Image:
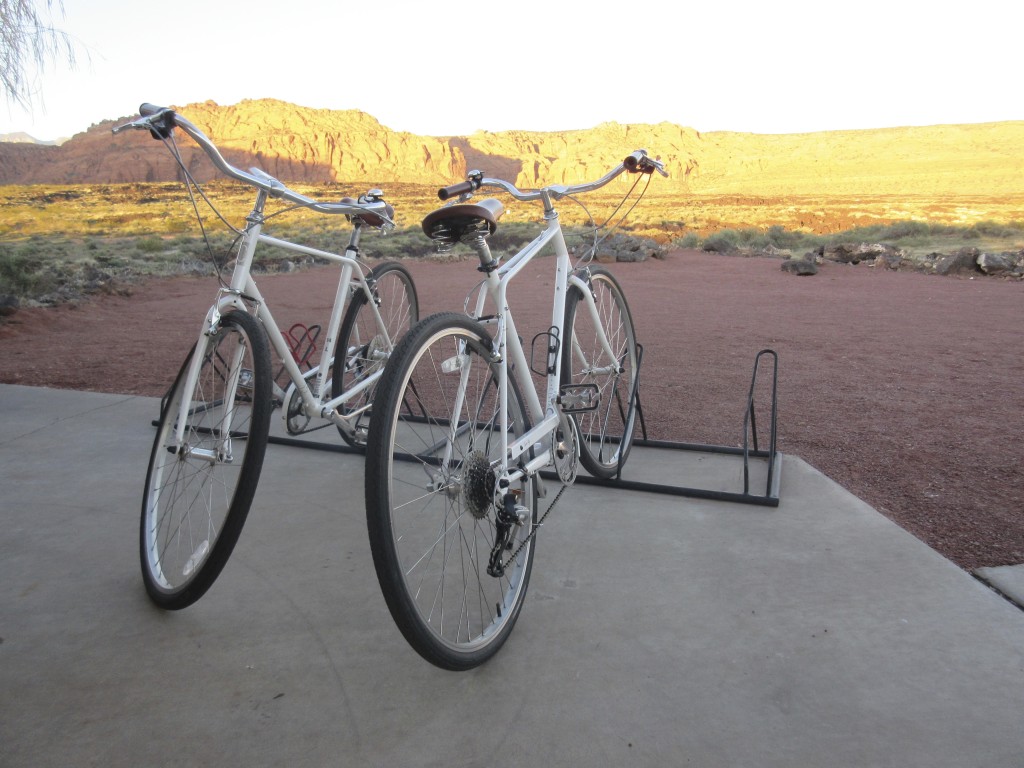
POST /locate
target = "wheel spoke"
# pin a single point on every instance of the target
(193, 508)
(431, 510)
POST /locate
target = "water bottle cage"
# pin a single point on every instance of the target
(551, 350)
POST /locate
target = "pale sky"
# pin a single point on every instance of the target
(452, 68)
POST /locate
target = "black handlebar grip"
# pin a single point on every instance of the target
(455, 190)
(635, 161)
(161, 127)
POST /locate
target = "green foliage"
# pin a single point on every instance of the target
(111, 233)
(689, 240)
(409, 242)
(994, 229)
(150, 244)
(909, 235)
(722, 241)
(24, 270)
(29, 43)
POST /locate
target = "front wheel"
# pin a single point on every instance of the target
(364, 344)
(606, 432)
(198, 492)
(452, 563)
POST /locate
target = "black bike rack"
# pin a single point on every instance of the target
(770, 497)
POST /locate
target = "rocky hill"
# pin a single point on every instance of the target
(298, 144)
(23, 138)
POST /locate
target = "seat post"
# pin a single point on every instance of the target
(477, 240)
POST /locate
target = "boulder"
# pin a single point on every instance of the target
(888, 260)
(627, 249)
(802, 267)
(9, 305)
(776, 253)
(855, 253)
(996, 263)
(963, 261)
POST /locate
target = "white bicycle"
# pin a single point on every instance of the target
(214, 422)
(460, 434)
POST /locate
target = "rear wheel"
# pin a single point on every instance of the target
(198, 493)
(364, 346)
(452, 563)
(606, 432)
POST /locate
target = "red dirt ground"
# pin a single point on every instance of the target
(903, 387)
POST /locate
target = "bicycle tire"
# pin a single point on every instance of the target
(194, 504)
(365, 350)
(605, 433)
(432, 524)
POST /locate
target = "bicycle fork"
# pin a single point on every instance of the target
(229, 299)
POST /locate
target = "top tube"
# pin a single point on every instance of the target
(160, 120)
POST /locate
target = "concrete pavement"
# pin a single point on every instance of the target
(657, 630)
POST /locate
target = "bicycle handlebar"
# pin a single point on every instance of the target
(635, 162)
(160, 121)
(639, 162)
(462, 188)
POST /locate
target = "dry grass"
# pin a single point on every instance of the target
(104, 233)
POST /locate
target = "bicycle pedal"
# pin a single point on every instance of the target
(578, 398)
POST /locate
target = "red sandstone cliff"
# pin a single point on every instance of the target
(298, 144)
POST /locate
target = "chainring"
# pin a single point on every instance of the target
(565, 452)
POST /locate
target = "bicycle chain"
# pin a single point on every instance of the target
(536, 528)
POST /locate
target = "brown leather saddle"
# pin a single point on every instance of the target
(449, 224)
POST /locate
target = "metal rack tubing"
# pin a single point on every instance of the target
(770, 498)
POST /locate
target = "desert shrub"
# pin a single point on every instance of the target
(689, 240)
(723, 241)
(995, 229)
(109, 260)
(24, 272)
(409, 242)
(150, 244)
(793, 240)
(902, 230)
(906, 232)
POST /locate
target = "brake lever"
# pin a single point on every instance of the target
(133, 124)
(158, 125)
(656, 165)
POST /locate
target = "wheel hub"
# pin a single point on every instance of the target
(376, 351)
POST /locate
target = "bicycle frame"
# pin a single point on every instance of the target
(244, 295)
(547, 416)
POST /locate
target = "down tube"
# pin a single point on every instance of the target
(558, 315)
